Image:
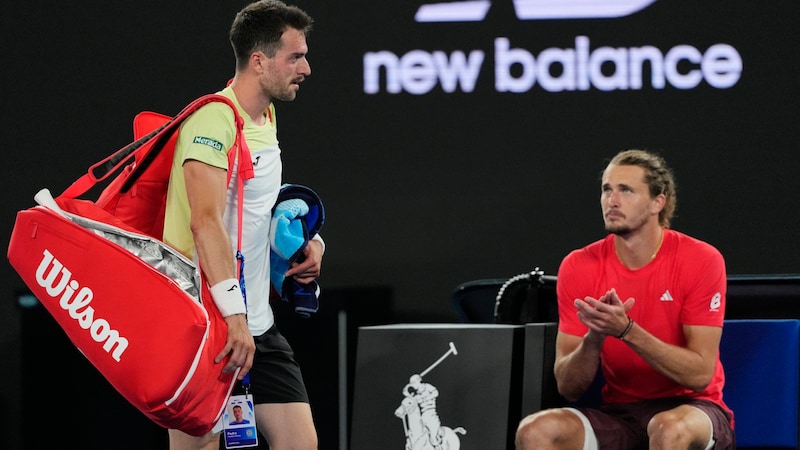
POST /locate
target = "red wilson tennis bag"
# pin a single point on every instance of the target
(136, 308)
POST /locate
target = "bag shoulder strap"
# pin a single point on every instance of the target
(103, 169)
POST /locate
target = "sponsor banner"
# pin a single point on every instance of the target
(515, 65)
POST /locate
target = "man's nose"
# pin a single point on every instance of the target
(612, 198)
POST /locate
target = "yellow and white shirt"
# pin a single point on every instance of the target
(206, 136)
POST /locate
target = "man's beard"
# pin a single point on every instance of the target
(619, 230)
(625, 229)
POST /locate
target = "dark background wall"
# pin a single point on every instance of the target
(424, 190)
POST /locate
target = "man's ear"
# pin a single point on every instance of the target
(658, 203)
(257, 61)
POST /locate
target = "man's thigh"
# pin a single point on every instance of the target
(615, 429)
(178, 440)
(625, 426)
(281, 423)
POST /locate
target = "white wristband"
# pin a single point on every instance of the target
(318, 238)
(228, 297)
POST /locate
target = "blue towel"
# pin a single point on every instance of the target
(297, 217)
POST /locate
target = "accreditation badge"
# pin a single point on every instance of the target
(239, 422)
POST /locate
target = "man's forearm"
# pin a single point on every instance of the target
(684, 366)
(576, 370)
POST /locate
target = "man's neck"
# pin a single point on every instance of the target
(635, 250)
(251, 98)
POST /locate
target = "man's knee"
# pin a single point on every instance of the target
(295, 441)
(546, 429)
(677, 429)
(287, 425)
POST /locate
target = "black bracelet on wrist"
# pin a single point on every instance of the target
(627, 330)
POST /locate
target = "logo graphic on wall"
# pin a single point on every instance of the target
(475, 10)
(580, 65)
(421, 424)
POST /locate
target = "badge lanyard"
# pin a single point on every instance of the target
(239, 425)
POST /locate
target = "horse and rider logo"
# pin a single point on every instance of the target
(421, 424)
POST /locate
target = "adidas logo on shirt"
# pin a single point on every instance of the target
(666, 296)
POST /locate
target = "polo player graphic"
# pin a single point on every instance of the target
(417, 410)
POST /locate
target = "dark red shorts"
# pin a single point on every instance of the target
(624, 426)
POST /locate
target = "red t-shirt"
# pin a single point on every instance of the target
(684, 285)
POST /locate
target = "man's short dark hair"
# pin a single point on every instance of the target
(260, 25)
